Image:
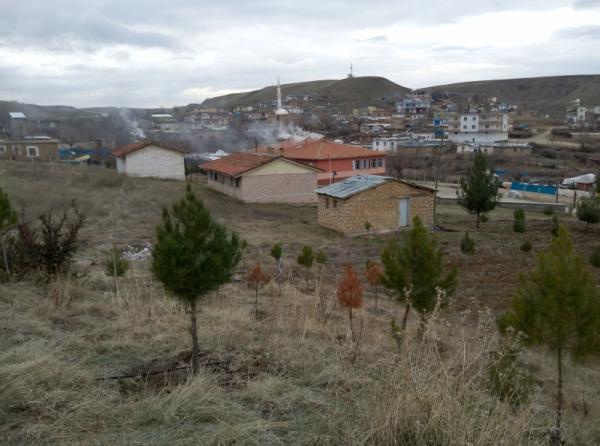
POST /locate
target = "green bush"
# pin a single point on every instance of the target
(467, 244)
(526, 246)
(548, 210)
(519, 214)
(595, 257)
(484, 218)
(115, 265)
(588, 210)
(519, 226)
(555, 225)
(505, 378)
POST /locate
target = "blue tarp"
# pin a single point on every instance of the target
(536, 188)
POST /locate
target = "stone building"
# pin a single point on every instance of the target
(262, 178)
(372, 203)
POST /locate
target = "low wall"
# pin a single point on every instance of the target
(526, 206)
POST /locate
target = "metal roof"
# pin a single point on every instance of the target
(353, 185)
(17, 115)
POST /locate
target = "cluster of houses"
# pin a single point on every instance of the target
(346, 182)
(581, 115)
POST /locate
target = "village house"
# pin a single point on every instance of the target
(262, 178)
(478, 128)
(29, 149)
(151, 159)
(335, 160)
(372, 203)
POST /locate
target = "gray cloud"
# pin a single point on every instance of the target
(157, 53)
(582, 32)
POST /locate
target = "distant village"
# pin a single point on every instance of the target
(296, 148)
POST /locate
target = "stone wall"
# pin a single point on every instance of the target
(380, 206)
(276, 188)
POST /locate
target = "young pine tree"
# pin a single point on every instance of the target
(256, 280)
(277, 254)
(467, 244)
(557, 305)
(374, 273)
(478, 191)
(519, 221)
(349, 294)
(193, 255)
(306, 259)
(588, 210)
(413, 272)
(115, 265)
(8, 219)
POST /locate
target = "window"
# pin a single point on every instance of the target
(365, 164)
(380, 162)
(474, 118)
(473, 126)
(356, 164)
(33, 152)
(465, 118)
(15, 149)
(238, 182)
(2, 149)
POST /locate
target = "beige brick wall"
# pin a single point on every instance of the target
(380, 206)
(276, 188)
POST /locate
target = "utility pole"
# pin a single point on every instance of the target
(437, 173)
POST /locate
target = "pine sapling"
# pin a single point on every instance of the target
(306, 259)
(256, 280)
(558, 306)
(349, 294)
(277, 254)
(115, 265)
(374, 273)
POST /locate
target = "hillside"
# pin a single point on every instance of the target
(357, 91)
(544, 94)
(87, 364)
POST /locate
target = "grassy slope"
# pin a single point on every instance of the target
(544, 94)
(358, 90)
(285, 379)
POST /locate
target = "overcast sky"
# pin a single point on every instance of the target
(147, 53)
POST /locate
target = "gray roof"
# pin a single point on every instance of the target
(353, 185)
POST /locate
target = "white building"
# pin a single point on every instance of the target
(150, 159)
(414, 107)
(478, 127)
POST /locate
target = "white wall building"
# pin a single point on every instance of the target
(478, 127)
(150, 159)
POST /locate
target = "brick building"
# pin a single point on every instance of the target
(262, 178)
(381, 204)
(335, 160)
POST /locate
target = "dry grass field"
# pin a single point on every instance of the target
(286, 378)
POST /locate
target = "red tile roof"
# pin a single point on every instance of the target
(125, 150)
(238, 163)
(319, 149)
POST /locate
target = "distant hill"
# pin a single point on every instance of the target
(544, 94)
(356, 91)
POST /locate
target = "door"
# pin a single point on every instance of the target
(403, 212)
